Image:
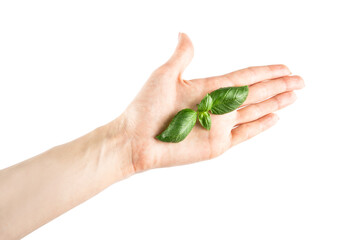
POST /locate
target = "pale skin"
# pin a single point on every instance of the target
(41, 188)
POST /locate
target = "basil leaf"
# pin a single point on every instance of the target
(228, 99)
(205, 104)
(205, 120)
(179, 127)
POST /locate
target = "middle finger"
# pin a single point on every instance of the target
(266, 89)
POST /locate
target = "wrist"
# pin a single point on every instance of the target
(115, 150)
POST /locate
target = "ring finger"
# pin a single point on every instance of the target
(258, 110)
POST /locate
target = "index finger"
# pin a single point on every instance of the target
(253, 75)
(248, 76)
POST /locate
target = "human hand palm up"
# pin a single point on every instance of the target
(165, 93)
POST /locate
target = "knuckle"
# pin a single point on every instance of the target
(256, 111)
(262, 91)
(286, 83)
(277, 102)
(250, 73)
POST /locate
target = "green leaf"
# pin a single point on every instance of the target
(205, 120)
(179, 127)
(228, 99)
(205, 104)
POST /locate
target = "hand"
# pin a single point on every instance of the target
(68, 174)
(166, 93)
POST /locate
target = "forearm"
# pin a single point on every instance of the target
(41, 188)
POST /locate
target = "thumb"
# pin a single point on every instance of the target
(183, 54)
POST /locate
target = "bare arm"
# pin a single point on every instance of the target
(39, 189)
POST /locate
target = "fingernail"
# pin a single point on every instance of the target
(179, 36)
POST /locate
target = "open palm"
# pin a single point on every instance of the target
(166, 93)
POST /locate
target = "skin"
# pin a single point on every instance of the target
(39, 189)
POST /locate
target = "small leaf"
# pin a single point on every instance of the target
(205, 104)
(205, 120)
(228, 99)
(179, 127)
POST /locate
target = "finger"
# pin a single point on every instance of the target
(263, 90)
(259, 110)
(248, 130)
(183, 54)
(247, 76)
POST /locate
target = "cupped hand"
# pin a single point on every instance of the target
(166, 92)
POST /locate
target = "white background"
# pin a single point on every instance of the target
(67, 67)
